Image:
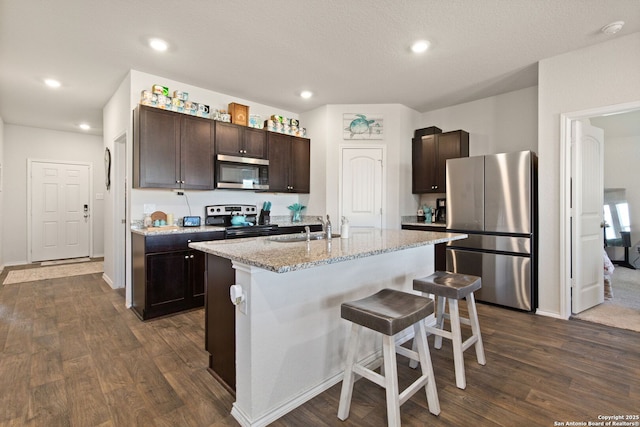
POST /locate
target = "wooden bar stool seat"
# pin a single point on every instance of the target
(389, 312)
(451, 287)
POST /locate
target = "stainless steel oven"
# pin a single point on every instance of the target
(242, 173)
(222, 215)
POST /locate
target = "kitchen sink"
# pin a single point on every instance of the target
(300, 237)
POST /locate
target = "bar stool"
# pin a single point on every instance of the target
(389, 312)
(447, 286)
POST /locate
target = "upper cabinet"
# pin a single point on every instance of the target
(172, 150)
(289, 163)
(429, 159)
(242, 141)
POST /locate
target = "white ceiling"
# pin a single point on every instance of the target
(353, 51)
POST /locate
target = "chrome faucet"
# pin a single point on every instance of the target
(307, 230)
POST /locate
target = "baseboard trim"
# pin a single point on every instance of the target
(266, 419)
(550, 314)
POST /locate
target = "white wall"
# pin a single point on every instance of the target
(597, 76)
(116, 122)
(328, 140)
(22, 143)
(2, 173)
(498, 124)
(316, 122)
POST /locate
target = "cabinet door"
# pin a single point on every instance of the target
(167, 283)
(197, 153)
(279, 160)
(228, 139)
(255, 143)
(451, 145)
(423, 155)
(156, 148)
(220, 321)
(197, 269)
(299, 174)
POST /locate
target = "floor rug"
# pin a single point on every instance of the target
(53, 272)
(623, 310)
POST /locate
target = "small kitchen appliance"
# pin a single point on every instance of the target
(238, 220)
(441, 211)
(241, 173)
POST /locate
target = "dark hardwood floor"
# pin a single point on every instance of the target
(73, 355)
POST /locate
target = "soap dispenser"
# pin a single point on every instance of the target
(344, 229)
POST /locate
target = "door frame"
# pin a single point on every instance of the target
(30, 162)
(565, 193)
(120, 209)
(383, 216)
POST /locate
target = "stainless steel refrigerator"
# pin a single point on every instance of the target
(493, 199)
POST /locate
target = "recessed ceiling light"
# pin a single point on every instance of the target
(420, 46)
(613, 27)
(158, 44)
(84, 126)
(52, 83)
(306, 94)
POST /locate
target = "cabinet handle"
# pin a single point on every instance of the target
(191, 256)
(186, 257)
(189, 241)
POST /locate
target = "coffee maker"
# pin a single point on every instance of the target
(441, 211)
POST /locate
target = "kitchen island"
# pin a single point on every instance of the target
(289, 336)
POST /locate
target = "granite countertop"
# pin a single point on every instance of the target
(413, 220)
(286, 255)
(154, 231)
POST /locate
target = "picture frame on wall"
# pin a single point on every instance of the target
(362, 126)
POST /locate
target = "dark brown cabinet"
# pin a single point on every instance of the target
(172, 150)
(220, 322)
(168, 276)
(429, 154)
(235, 140)
(289, 163)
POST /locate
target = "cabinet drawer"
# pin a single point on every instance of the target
(178, 242)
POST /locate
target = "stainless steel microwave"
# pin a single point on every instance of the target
(241, 173)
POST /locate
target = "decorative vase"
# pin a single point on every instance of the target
(296, 216)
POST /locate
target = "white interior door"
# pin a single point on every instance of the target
(59, 210)
(362, 186)
(587, 143)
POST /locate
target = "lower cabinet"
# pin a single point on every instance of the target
(168, 277)
(220, 321)
(220, 315)
(440, 250)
